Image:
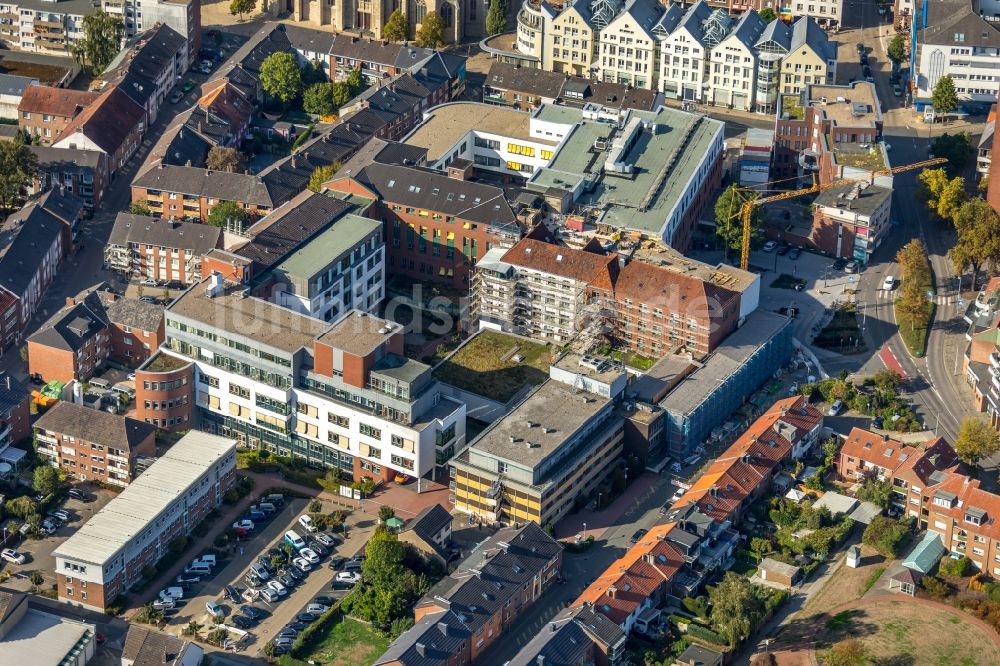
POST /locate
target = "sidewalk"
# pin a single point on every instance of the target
(598, 522)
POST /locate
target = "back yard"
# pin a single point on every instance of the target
(488, 365)
(348, 643)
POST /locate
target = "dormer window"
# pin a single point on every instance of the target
(974, 516)
(944, 499)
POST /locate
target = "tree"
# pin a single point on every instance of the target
(383, 561)
(319, 99)
(848, 652)
(321, 175)
(385, 512)
(897, 49)
(728, 222)
(18, 166)
(22, 507)
(735, 607)
(976, 440)
(944, 99)
(102, 39)
(313, 73)
(760, 548)
(978, 242)
(885, 535)
(46, 479)
(767, 14)
(944, 196)
(875, 491)
(178, 545)
(912, 304)
(139, 207)
(431, 33)
(191, 629)
(496, 17)
(241, 7)
(956, 148)
(228, 213)
(281, 77)
(396, 28)
(331, 481)
(226, 159)
(887, 382)
(315, 506)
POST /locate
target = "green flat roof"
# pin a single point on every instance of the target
(554, 113)
(317, 254)
(646, 199)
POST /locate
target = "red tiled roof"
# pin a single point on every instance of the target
(881, 450)
(108, 120)
(597, 270)
(63, 102)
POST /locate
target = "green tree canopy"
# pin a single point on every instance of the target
(139, 207)
(976, 440)
(225, 213)
(22, 507)
(729, 224)
(313, 73)
(943, 195)
(281, 77)
(875, 491)
(46, 479)
(102, 39)
(383, 559)
(897, 48)
(355, 82)
(318, 99)
(241, 7)
(226, 159)
(396, 28)
(736, 608)
(322, 174)
(496, 17)
(767, 14)
(978, 242)
(18, 166)
(944, 98)
(431, 33)
(956, 148)
(885, 535)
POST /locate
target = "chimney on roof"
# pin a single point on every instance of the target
(885, 437)
(293, 161)
(540, 659)
(612, 590)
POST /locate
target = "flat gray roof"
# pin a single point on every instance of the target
(318, 253)
(42, 639)
(128, 514)
(545, 419)
(448, 123)
(359, 333)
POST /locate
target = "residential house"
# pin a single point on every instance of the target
(149, 67)
(528, 89)
(811, 59)
(145, 646)
(112, 124)
(572, 38)
(575, 637)
(685, 43)
(101, 561)
(465, 613)
(430, 533)
(771, 49)
(435, 226)
(45, 111)
(159, 250)
(83, 173)
(33, 243)
(12, 89)
(827, 13)
(311, 46)
(733, 65)
(628, 48)
(92, 444)
(851, 221)
(15, 411)
(183, 16)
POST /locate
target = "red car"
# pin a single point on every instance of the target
(213, 32)
(100, 639)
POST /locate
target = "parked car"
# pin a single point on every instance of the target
(839, 264)
(12, 556)
(253, 580)
(233, 594)
(260, 571)
(877, 422)
(317, 609)
(351, 577)
(266, 562)
(769, 246)
(302, 563)
(326, 540)
(336, 563)
(309, 555)
(307, 523)
(243, 524)
(241, 622)
(164, 604)
(61, 514)
(297, 574)
(269, 595)
(783, 250)
(176, 97)
(252, 612)
(277, 587)
(318, 548)
(308, 618)
(174, 593)
(324, 601)
(214, 609)
(287, 581)
(794, 253)
(835, 408)
(636, 536)
(851, 267)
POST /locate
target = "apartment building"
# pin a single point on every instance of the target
(159, 250)
(772, 47)
(80, 172)
(517, 470)
(684, 42)
(101, 561)
(832, 131)
(628, 47)
(94, 445)
(954, 38)
(74, 344)
(460, 617)
(182, 16)
(851, 221)
(149, 67)
(33, 243)
(697, 535)
(733, 65)
(339, 394)
(541, 290)
(339, 269)
(112, 124)
(15, 411)
(529, 89)
(652, 172)
(572, 41)
(45, 111)
(436, 226)
(44, 27)
(190, 193)
(827, 13)
(505, 141)
(595, 639)
(811, 59)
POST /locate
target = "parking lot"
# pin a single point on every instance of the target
(39, 551)
(279, 613)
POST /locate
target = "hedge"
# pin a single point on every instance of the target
(305, 638)
(705, 634)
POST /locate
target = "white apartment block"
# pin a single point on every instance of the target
(685, 51)
(184, 16)
(628, 47)
(960, 43)
(826, 13)
(733, 65)
(44, 27)
(107, 554)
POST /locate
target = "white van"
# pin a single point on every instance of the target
(207, 560)
(198, 569)
(173, 593)
(307, 523)
(293, 539)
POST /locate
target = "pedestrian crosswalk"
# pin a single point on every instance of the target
(939, 299)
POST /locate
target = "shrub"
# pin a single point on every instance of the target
(116, 607)
(706, 634)
(305, 639)
(231, 497)
(315, 506)
(886, 535)
(935, 587)
(951, 566)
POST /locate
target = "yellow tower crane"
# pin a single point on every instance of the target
(751, 202)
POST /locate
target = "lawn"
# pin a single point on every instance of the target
(349, 643)
(486, 365)
(915, 335)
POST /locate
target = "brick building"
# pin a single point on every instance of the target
(101, 561)
(112, 124)
(45, 111)
(80, 172)
(15, 412)
(160, 250)
(94, 445)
